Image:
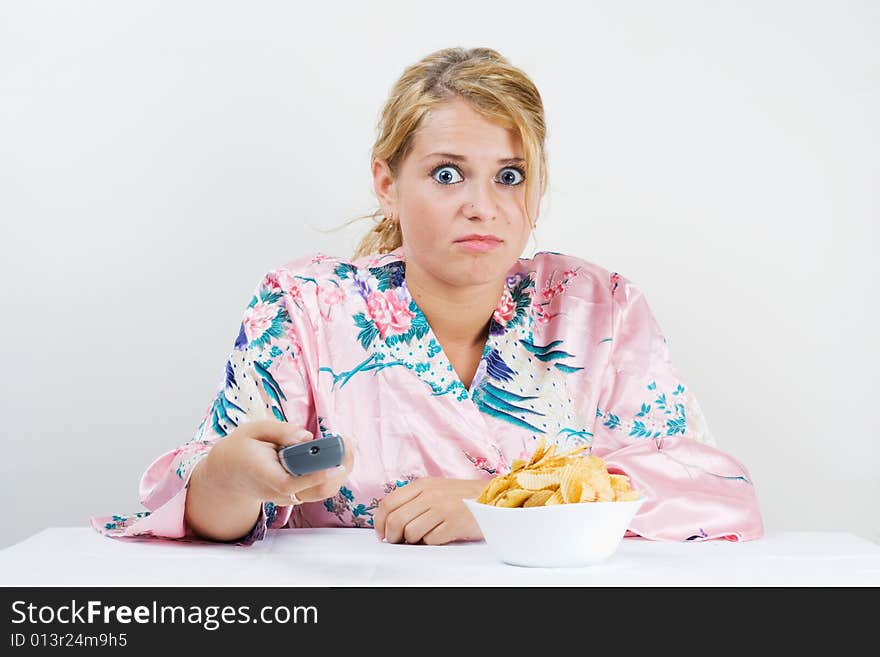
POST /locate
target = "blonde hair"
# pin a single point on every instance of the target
(495, 89)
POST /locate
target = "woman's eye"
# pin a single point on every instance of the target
(443, 175)
(510, 178)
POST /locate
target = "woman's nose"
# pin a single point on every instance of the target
(482, 204)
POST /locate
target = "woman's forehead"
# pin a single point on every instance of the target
(463, 145)
(455, 127)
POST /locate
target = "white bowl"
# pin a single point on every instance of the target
(559, 535)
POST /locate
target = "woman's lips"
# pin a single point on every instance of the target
(479, 246)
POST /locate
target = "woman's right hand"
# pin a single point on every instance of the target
(247, 461)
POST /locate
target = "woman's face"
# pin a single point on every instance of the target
(439, 200)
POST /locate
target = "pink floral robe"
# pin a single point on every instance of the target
(574, 355)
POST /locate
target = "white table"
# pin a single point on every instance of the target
(355, 557)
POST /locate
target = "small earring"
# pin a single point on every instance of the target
(387, 223)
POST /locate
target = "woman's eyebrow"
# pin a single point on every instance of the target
(462, 158)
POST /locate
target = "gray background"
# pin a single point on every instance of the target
(156, 158)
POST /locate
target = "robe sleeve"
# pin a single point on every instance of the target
(275, 345)
(650, 427)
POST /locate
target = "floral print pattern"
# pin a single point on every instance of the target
(573, 355)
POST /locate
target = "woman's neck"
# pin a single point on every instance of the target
(459, 317)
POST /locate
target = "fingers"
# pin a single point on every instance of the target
(422, 527)
(391, 502)
(396, 523)
(278, 433)
(305, 487)
(276, 482)
(439, 535)
(312, 487)
(328, 488)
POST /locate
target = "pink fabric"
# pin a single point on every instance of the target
(574, 355)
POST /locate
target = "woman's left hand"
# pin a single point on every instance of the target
(429, 510)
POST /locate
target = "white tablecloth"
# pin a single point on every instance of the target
(355, 557)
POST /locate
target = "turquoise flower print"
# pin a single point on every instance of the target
(120, 522)
(513, 307)
(391, 314)
(504, 404)
(352, 513)
(394, 331)
(550, 353)
(612, 421)
(656, 417)
(390, 311)
(343, 504)
(390, 486)
(505, 310)
(220, 414)
(265, 318)
(265, 326)
(576, 437)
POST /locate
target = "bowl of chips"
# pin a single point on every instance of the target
(555, 510)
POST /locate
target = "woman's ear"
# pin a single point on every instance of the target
(383, 186)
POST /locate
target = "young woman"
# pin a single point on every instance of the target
(439, 355)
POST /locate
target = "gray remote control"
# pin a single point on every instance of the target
(312, 455)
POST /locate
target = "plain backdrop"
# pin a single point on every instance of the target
(157, 158)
